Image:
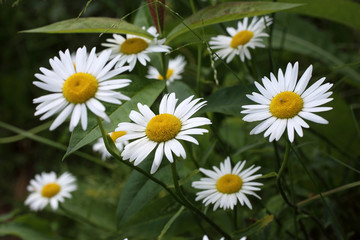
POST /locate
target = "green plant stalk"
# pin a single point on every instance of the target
(190, 206)
(54, 144)
(170, 222)
(19, 137)
(198, 71)
(327, 193)
(283, 195)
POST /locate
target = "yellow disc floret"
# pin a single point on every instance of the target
(50, 190)
(168, 74)
(286, 105)
(80, 87)
(116, 135)
(133, 46)
(229, 183)
(163, 127)
(241, 38)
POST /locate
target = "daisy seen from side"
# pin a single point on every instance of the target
(162, 131)
(175, 69)
(47, 188)
(226, 186)
(135, 48)
(284, 103)
(246, 35)
(78, 85)
(100, 147)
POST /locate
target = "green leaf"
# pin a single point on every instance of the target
(341, 11)
(28, 227)
(300, 45)
(227, 100)
(181, 90)
(92, 25)
(225, 12)
(146, 92)
(139, 191)
(255, 227)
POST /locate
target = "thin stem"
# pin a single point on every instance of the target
(198, 70)
(189, 205)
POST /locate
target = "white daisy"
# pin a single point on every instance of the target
(46, 189)
(224, 187)
(77, 86)
(244, 37)
(133, 47)
(162, 131)
(284, 103)
(100, 147)
(175, 69)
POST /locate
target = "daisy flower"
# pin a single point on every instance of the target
(175, 69)
(46, 189)
(134, 48)
(78, 86)
(284, 103)
(100, 147)
(226, 186)
(162, 131)
(241, 39)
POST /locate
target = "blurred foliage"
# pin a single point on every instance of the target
(320, 33)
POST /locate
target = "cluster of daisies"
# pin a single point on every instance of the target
(84, 80)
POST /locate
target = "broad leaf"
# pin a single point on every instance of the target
(92, 25)
(254, 228)
(225, 12)
(341, 11)
(227, 100)
(139, 191)
(146, 93)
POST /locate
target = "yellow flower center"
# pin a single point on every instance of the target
(163, 127)
(286, 105)
(241, 38)
(133, 46)
(116, 135)
(229, 183)
(168, 74)
(80, 87)
(50, 190)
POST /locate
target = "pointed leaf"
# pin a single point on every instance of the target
(92, 25)
(345, 12)
(225, 12)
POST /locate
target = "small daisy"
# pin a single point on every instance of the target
(224, 187)
(100, 147)
(162, 131)
(284, 103)
(78, 85)
(175, 69)
(46, 189)
(244, 37)
(133, 47)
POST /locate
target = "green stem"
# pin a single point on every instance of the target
(285, 198)
(54, 144)
(198, 70)
(189, 205)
